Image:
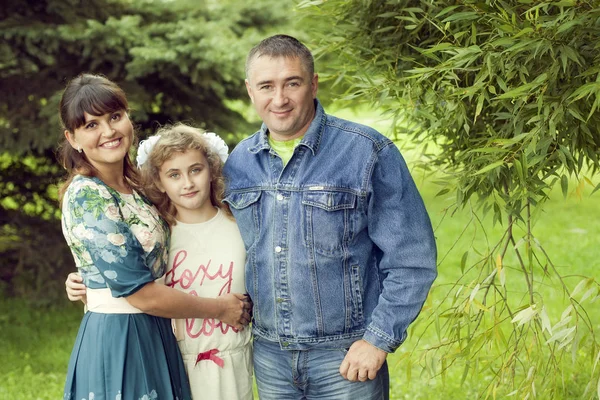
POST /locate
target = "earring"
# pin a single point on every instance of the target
(79, 150)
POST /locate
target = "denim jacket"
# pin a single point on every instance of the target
(339, 244)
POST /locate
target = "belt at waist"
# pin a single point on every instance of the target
(101, 301)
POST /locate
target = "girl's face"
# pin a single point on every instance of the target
(186, 179)
(104, 139)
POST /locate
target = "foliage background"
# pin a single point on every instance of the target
(502, 98)
(494, 103)
(176, 60)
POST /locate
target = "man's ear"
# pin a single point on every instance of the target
(249, 89)
(315, 85)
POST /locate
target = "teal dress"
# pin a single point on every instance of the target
(119, 244)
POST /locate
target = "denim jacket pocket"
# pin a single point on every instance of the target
(327, 220)
(245, 209)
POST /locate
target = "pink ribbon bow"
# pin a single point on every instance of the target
(210, 355)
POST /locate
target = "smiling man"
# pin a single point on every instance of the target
(340, 249)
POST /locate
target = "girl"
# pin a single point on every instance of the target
(183, 177)
(124, 348)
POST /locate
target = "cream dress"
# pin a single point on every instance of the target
(207, 260)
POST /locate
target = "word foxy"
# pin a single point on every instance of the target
(185, 278)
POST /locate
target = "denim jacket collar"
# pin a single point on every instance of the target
(311, 139)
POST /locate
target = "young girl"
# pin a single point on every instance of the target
(124, 348)
(183, 177)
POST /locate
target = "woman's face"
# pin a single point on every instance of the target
(105, 139)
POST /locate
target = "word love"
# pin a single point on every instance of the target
(192, 280)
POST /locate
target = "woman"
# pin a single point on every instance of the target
(124, 348)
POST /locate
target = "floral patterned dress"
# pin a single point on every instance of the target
(119, 244)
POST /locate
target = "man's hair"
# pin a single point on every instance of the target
(282, 46)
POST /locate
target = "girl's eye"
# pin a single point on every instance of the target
(196, 170)
(116, 116)
(174, 176)
(91, 125)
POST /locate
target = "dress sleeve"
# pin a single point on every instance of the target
(98, 223)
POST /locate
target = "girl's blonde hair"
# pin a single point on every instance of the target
(177, 139)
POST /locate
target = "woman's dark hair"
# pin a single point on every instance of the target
(95, 95)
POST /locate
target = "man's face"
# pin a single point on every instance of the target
(282, 92)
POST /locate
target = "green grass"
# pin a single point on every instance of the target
(569, 232)
(35, 344)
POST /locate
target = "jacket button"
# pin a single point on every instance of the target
(278, 249)
(279, 196)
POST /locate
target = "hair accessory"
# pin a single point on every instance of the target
(144, 149)
(214, 141)
(217, 145)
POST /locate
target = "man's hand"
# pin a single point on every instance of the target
(362, 362)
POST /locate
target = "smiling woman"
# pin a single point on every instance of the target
(125, 347)
(98, 132)
(105, 139)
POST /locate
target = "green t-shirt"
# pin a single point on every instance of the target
(285, 148)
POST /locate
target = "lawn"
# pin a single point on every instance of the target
(567, 230)
(35, 344)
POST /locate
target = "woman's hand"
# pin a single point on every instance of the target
(75, 288)
(164, 301)
(236, 310)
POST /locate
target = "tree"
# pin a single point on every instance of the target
(177, 61)
(507, 92)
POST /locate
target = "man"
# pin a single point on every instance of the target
(340, 249)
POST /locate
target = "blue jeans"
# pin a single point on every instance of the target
(310, 374)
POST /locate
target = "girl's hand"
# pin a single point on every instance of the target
(236, 310)
(75, 288)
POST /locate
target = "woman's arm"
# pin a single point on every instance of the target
(163, 301)
(91, 213)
